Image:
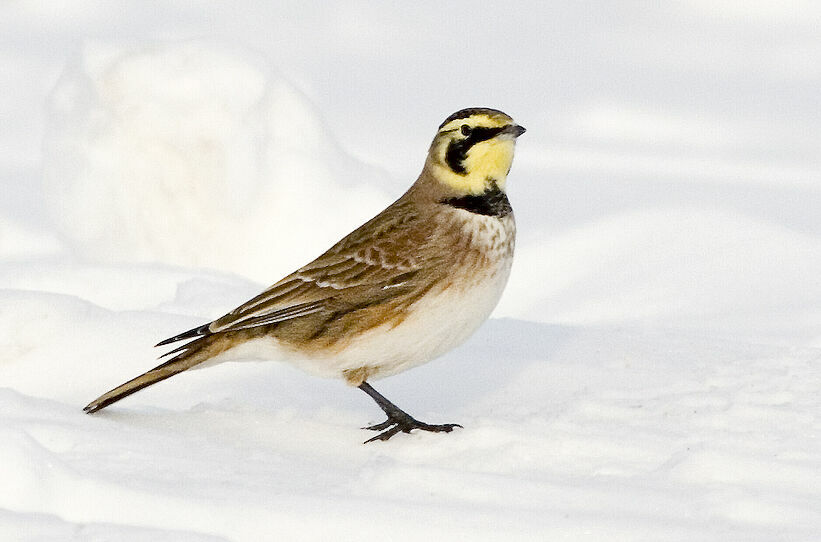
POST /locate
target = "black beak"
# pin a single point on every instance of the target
(514, 129)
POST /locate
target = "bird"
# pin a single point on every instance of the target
(404, 288)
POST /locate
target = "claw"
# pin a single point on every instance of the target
(380, 426)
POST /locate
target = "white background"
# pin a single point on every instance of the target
(652, 372)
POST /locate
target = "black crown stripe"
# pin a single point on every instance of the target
(469, 112)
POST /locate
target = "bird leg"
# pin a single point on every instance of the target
(398, 420)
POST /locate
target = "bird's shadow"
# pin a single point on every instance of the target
(496, 353)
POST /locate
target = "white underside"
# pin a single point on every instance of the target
(438, 322)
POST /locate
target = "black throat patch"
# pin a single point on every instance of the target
(492, 202)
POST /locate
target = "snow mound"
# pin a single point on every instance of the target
(196, 155)
(650, 430)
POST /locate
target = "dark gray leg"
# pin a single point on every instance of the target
(398, 420)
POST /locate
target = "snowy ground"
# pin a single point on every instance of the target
(652, 373)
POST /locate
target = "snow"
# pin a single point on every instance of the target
(150, 152)
(651, 373)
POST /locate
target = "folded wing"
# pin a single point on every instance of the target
(356, 272)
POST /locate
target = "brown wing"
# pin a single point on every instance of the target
(382, 263)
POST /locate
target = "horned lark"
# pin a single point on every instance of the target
(412, 283)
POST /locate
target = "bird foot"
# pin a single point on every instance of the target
(401, 422)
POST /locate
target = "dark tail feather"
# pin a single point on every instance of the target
(188, 358)
(190, 334)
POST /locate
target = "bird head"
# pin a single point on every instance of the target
(473, 151)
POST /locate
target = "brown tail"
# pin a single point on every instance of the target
(190, 355)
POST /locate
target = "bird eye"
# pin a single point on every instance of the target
(465, 130)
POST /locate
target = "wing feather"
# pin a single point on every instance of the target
(255, 319)
(375, 262)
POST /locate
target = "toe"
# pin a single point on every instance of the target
(380, 426)
(386, 435)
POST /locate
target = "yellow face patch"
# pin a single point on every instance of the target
(486, 162)
(474, 154)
